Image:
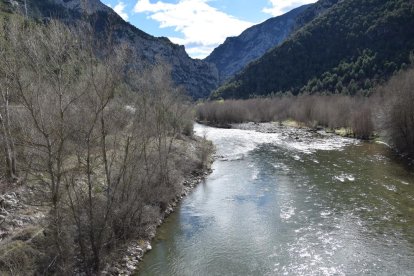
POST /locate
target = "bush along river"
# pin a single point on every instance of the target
(291, 202)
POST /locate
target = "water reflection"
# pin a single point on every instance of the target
(274, 205)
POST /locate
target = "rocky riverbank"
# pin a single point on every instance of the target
(293, 128)
(290, 125)
(24, 211)
(126, 263)
(16, 214)
(290, 129)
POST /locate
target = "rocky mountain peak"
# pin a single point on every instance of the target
(91, 6)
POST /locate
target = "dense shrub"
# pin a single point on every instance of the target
(334, 111)
(398, 111)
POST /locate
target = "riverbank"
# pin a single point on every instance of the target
(300, 131)
(354, 116)
(24, 213)
(127, 262)
(276, 126)
(127, 258)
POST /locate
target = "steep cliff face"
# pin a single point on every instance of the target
(197, 77)
(236, 52)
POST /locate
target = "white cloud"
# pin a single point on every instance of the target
(203, 27)
(280, 7)
(120, 10)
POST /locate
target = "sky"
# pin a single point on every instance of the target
(199, 25)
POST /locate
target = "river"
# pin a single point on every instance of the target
(291, 203)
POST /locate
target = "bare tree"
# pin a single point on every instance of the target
(99, 137)
(398, 114)
(6, 79)
(48, 84)
(25, 8)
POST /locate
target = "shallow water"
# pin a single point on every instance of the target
(279, 205)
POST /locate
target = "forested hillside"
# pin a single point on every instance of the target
(236, 52)
(355, 45)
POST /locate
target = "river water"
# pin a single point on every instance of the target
(291, 203)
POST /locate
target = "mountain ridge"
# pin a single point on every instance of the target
(197, 77)
(236, 52)
(349, 49)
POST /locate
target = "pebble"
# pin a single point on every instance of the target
(3, 212)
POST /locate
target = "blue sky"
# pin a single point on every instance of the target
(199, 25)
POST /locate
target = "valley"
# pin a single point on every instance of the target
(255, 138)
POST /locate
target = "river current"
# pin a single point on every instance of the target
(291, 203)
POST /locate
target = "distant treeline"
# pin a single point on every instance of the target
(389, 111)
(333, 111)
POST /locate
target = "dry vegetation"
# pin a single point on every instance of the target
(389, 111)
(397, 114)
(105, 145)
(334, 111)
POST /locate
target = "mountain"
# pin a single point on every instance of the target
(197, 77)
(236, 52)
(349, 48)
(91, 6)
